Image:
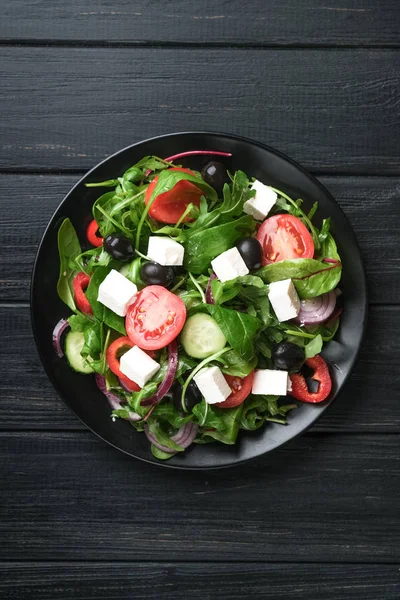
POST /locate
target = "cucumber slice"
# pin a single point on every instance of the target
(73, 345)
(201, 336)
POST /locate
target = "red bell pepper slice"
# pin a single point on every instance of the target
(91, 234)
(114, 352)
(321, 374)
(79, 284)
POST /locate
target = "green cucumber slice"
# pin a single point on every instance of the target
(74, 342)
(201, 336)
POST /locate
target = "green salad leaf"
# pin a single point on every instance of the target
(310, 277)
(69, 249)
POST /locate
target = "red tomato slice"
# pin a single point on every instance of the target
(155, 318)
(284, 236)
(170, 206)
(241, 388)
(113, 355)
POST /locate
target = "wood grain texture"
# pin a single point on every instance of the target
(369, 401)
(371, 203)
(233, 581)
(309, 22)
(329, 109)
(323, 498)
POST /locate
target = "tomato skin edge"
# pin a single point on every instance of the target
(237, 397)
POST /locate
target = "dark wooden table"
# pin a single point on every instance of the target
(317, 79)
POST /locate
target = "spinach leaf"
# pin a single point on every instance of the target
(310, 277)
(204, 245)
(227, 421)
(238, 328)
(234, 364)
(69, 249)
(329, 248)
(314, 346)
(80, 322)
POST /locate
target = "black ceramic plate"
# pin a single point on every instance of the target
(80, 392)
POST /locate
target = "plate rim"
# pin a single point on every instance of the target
(352, 363)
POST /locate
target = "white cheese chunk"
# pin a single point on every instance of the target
(165, 251)
(229, 265)
(117, 293)
(284, 299)
(212, 384)
(260, 205)
(270, 382)
(138, 366)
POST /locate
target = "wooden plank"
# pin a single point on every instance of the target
(371, 203)
(368, 403)
(324, 498)
(171, 581)
(332, 110)
(310, 22)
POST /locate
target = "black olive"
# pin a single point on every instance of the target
(215, 174)
(154, 274)
(288, 356)
(193, 396)
(251, 251)
(119, 246)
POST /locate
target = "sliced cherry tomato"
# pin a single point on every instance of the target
(170, 206)
(79, 284)
(155, 318)
(113, 355)
(321, 375)
(91, 234)
(241, 388)
(284, 236)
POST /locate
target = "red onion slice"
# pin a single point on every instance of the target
(165, 386)
(183, 437)
(209, 295)
(58, 330)
(113, 399)
(316, 310)
(197, 153)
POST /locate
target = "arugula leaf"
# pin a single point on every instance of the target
(69, 249)
(238, 328)
(310, 277)
(204, 245)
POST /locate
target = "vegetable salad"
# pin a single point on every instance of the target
(200, 301)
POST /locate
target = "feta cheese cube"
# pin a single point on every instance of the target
(284, 299)
(165, 251)
(138, 366)
(117, 293)
(212, 384)
(229, 265)
(270, 382)
(260, 205)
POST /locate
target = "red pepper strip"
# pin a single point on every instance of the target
(321, 374)
(80, 283)
(113, 358)
(91, 232)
